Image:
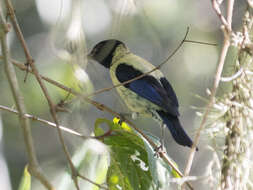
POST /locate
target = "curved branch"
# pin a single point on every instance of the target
(224, 50)
(19, 101)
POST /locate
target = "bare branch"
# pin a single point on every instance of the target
(86, 179)
(49, 123)
(19, 101)
(216, 7)
(224, 50)
(30, 63)
(199, 42)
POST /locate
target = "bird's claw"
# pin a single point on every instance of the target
(159, 150)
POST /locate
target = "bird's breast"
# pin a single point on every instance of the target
(133, 101)
(136, 103)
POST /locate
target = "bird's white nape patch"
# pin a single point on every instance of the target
(142, 164)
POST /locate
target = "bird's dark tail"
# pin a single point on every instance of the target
(176, 129)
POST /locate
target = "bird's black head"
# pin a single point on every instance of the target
(103, 51)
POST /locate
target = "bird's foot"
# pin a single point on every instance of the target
(159, 150)
(133, 115)
(122, 117)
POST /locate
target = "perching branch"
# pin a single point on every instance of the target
(19, 101)
(30, 63)
(227, 25)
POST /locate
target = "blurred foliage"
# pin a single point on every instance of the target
(91, 159)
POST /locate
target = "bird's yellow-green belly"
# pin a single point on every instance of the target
(136, 103)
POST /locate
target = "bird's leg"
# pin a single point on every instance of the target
(162, 135)
(133, 115)
(157, 118)
(160, 149)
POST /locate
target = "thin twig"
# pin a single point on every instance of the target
(86, 179)
(198, 42)
(102, 107)
(49, 123)
(30, 62)
(216, 7)
(144, 74)
(70, 131)
(19, 101)
(224, 50)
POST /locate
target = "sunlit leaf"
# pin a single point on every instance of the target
(97, 129)
(133, 164)
(129, 162)
(121, 124)
(165, 171)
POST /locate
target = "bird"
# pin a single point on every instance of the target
(149, 96)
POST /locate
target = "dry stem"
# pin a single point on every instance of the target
(19, 101)
(49, 123)
(226, 43)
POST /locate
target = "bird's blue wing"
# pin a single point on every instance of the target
(171, 93)
(147, 90)
(147, 87)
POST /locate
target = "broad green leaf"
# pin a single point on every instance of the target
(129, 161)
(133, 163)
(25, 183)
(161, 172)
(98, 130)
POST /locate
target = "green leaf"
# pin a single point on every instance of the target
(133, 165)
(129, 161)
(97, 129)
(25, 183)
(161, 172)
